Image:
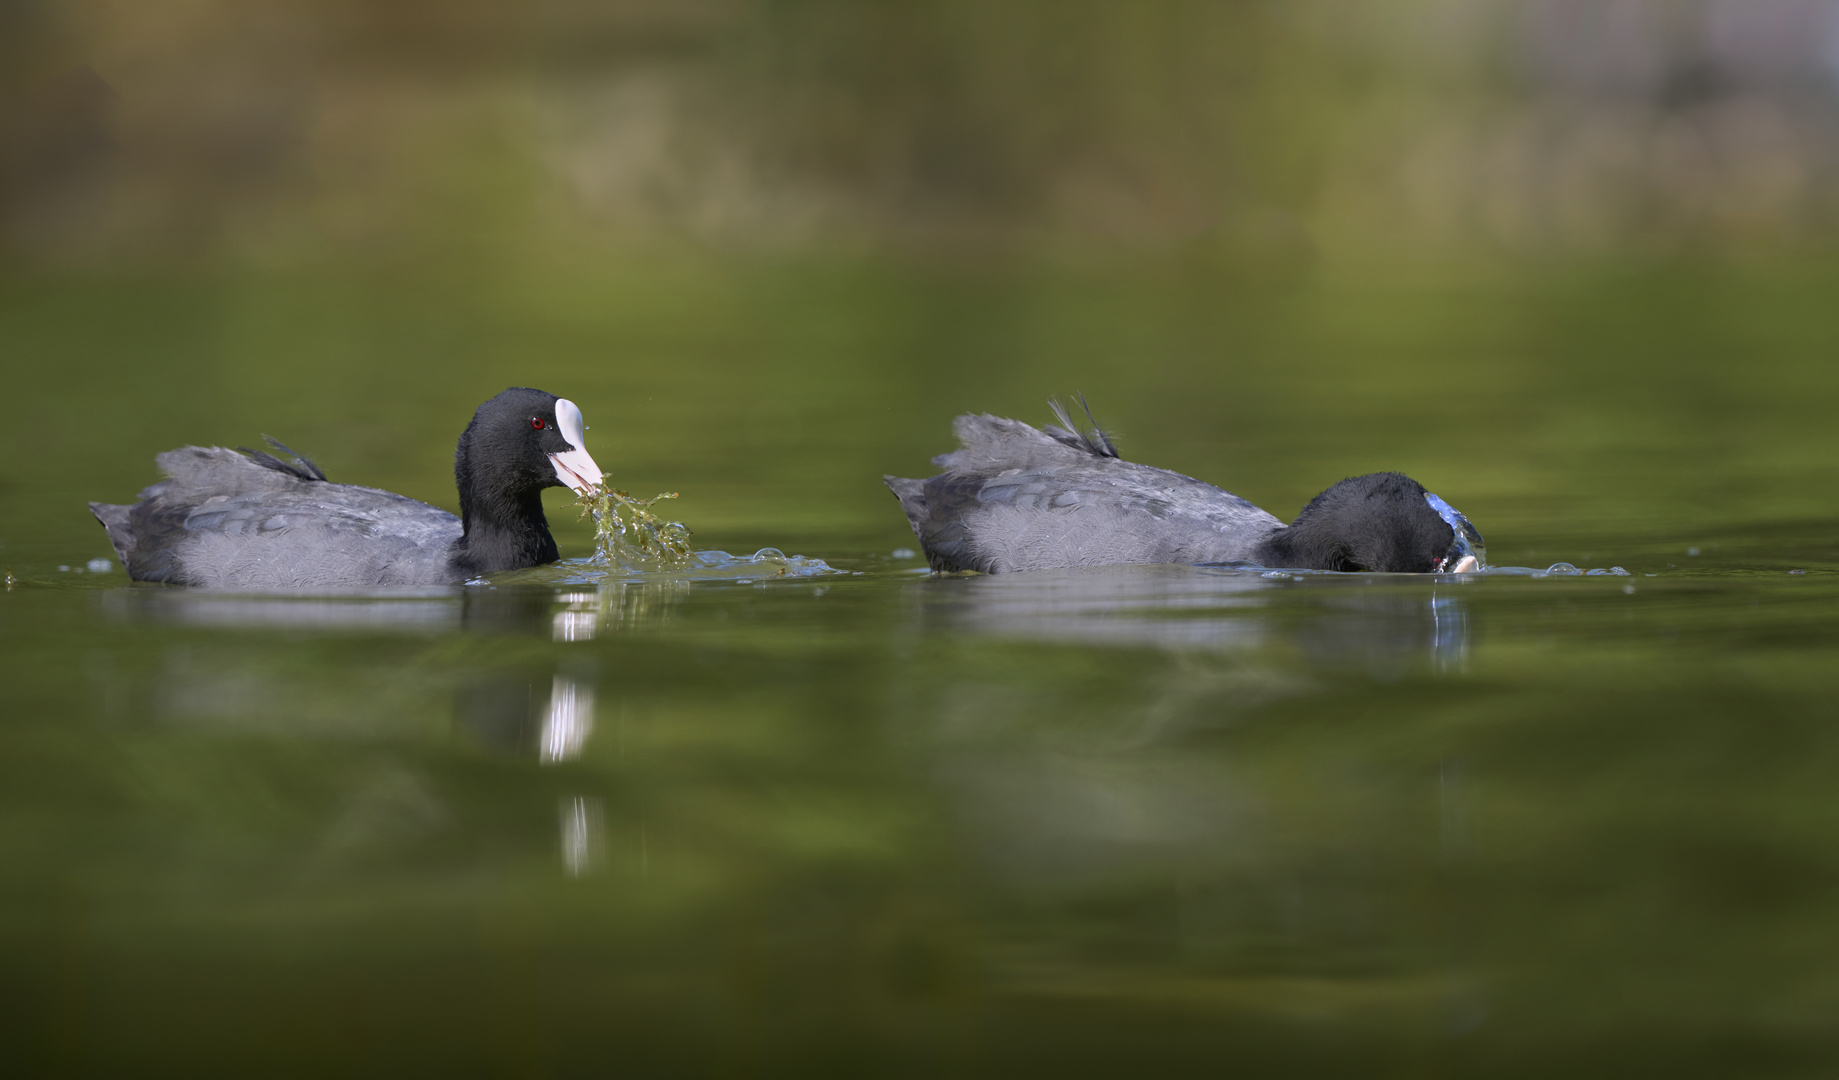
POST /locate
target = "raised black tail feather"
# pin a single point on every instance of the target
(1096, 441)
(302, 468)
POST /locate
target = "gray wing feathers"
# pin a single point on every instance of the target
(214, 470)
(992, 443)
(1109, 513)
(1016, 498)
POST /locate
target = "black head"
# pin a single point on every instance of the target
(519, 443)
(1378, 522)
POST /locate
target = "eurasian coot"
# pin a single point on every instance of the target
(1013, 497)
(248, 520)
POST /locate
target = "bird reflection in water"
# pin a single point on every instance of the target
(1154, 766)
(507, 711)
(1380, 625)
(568, 615)
(568, 720)
(226, 684)
(1449, 642)
(616, 605)
(583, 821)
(410, 611)
(501, 711)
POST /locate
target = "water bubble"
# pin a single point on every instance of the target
(99, 566)
(1692, 551)
(1619, 572)
(63, 569)
(1628, 590)
(901, 553)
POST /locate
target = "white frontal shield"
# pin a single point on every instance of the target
(574, 466)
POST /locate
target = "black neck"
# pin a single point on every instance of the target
(503, 534)
(501, 517)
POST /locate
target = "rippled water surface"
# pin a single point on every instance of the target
(1129, 821)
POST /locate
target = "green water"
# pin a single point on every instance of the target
(1146, 821)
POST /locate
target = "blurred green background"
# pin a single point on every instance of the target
(773, 246)
(1274, 135)
(1569, 263)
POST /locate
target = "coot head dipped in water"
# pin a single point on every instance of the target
(1014, 497)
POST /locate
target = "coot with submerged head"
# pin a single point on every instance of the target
(249, 520)
(1014, 497)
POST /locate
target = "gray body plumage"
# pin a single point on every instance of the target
(223, 520)
(1014, 497)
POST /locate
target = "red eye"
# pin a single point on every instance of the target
(536, 422)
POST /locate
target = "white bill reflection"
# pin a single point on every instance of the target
(583, 823)
(568, 720)
(579, 621)
(614, 606)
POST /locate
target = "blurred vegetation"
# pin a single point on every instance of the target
(1270, 132)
